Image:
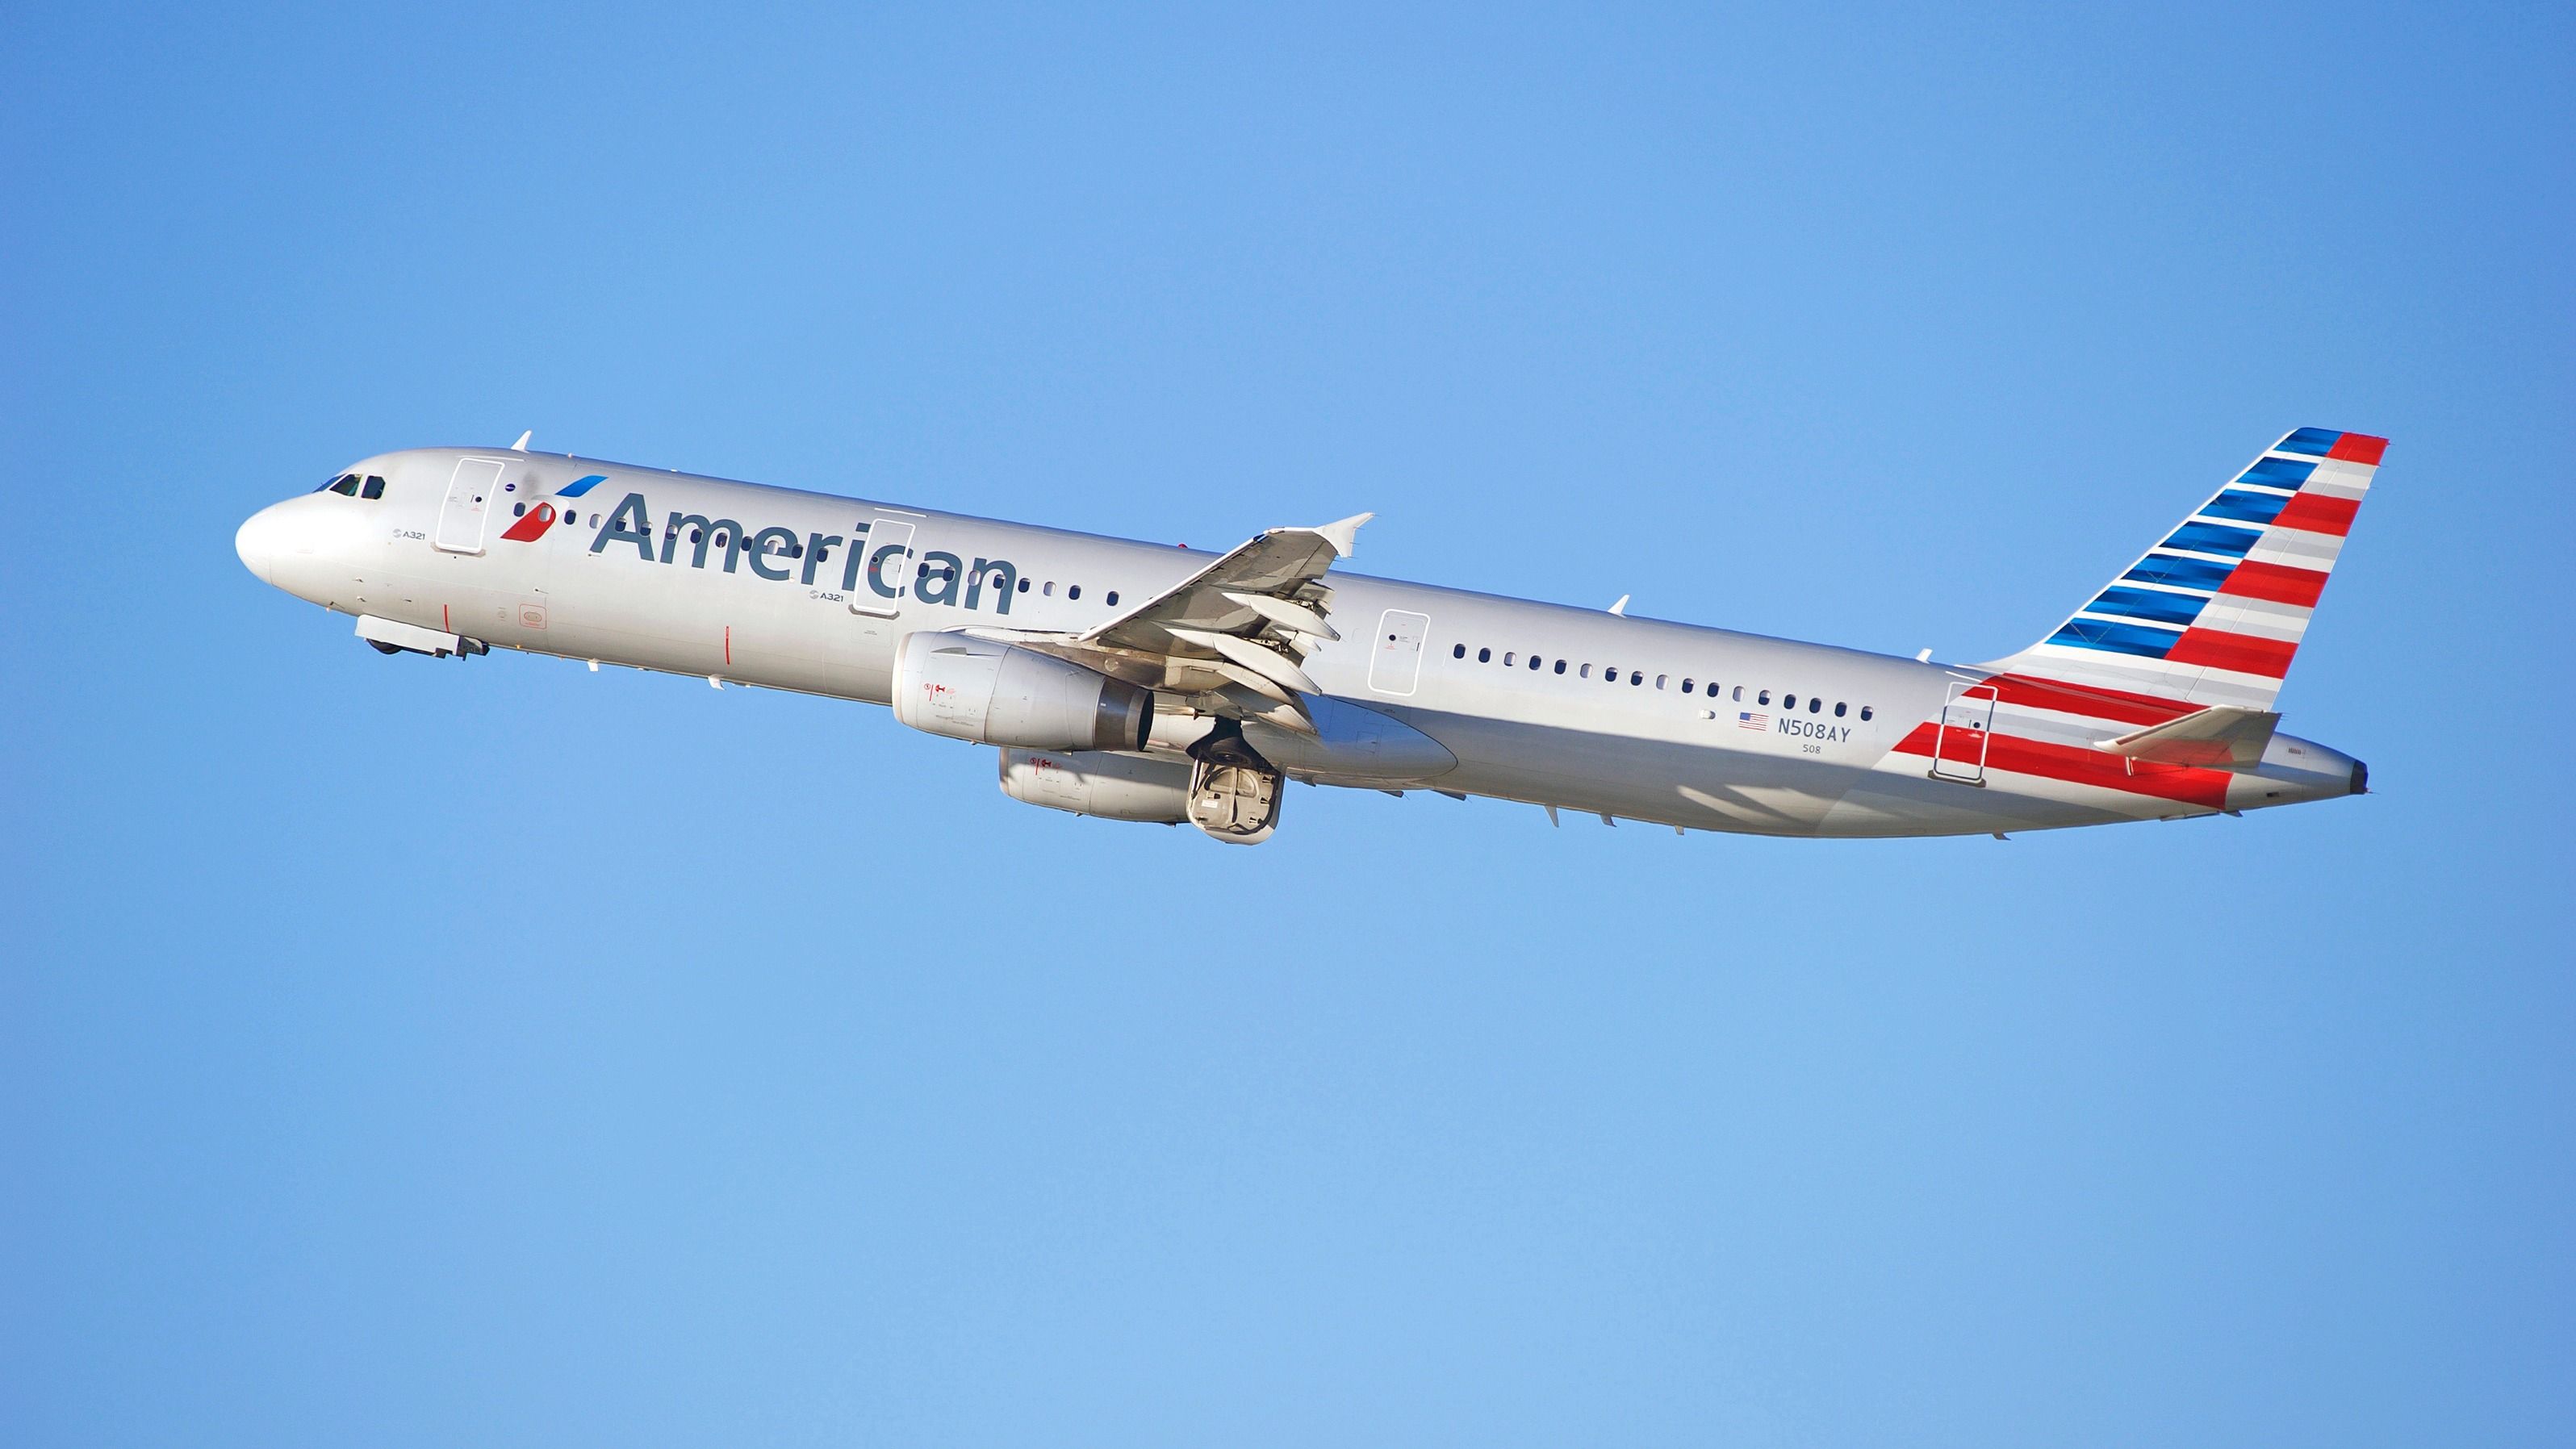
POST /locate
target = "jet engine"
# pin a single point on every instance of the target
(948, 683)
(1224, 788)
(1093, 782)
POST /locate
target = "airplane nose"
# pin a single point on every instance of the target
(256, 541)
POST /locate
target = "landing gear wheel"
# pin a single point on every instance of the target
(1234, 792)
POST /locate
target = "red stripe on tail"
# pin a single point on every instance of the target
(2244, 653)
(2275, 583)
(2317, 513)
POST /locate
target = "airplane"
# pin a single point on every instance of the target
(1135, 681)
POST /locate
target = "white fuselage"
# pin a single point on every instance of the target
(1625, 717)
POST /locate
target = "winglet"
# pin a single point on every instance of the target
(1343, 535)
(521, 446)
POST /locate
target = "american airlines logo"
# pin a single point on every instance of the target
(533, 524)
(782, 555)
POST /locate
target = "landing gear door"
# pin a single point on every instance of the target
(1967, 723)
(1395, 664)
(470, 491)
(885, 569)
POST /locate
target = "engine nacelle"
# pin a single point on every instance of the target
(951, 684)
(1089, 782)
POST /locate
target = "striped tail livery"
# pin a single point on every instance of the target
(2162, 685)
(2214, 613)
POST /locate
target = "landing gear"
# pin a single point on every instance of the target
(1234, 792)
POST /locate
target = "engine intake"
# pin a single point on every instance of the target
(948, 683)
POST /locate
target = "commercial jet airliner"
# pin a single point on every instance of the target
(1141, 682)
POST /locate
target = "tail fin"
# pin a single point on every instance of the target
(2213, 614)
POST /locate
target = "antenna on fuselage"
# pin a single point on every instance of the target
(521, 446)
(1620, 608)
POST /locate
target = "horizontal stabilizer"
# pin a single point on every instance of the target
(2221, 737)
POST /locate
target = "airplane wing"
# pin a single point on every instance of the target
(1234, 635)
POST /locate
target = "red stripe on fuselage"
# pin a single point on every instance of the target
(2079, 766)
(2317, 513)
(2089, 700)
(2275, 583)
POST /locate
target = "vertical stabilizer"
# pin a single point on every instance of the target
(2213, 614)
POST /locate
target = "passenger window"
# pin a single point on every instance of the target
(1840, 708)
(1074, 593)
(1113, 598)
(1686, 684)
(1508, 658)
(1024, 586)
(1815, 703)
(1636, 676)
(1739, 694)
(375, 488)
(516, 509)
(1535, 662)
(1560, 666)
(1864, 711)
(1456, 651)
(1763, 698)
(1049, 590)
(1788, 701)
(1584, 673)
(1659, 681)
(1484, 656)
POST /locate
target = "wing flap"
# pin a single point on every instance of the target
(1281, 564)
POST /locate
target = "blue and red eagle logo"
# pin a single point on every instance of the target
(532, 525)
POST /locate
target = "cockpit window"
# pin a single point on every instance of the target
(375, 487)
(343, 483)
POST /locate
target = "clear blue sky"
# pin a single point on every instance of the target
(398, 1052)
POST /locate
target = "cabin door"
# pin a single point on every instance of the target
(1967, 723)
(885, 576)
(470, 491)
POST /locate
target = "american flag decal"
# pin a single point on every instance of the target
(1751, 721)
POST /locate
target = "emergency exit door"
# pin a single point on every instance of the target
(1395, 665)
